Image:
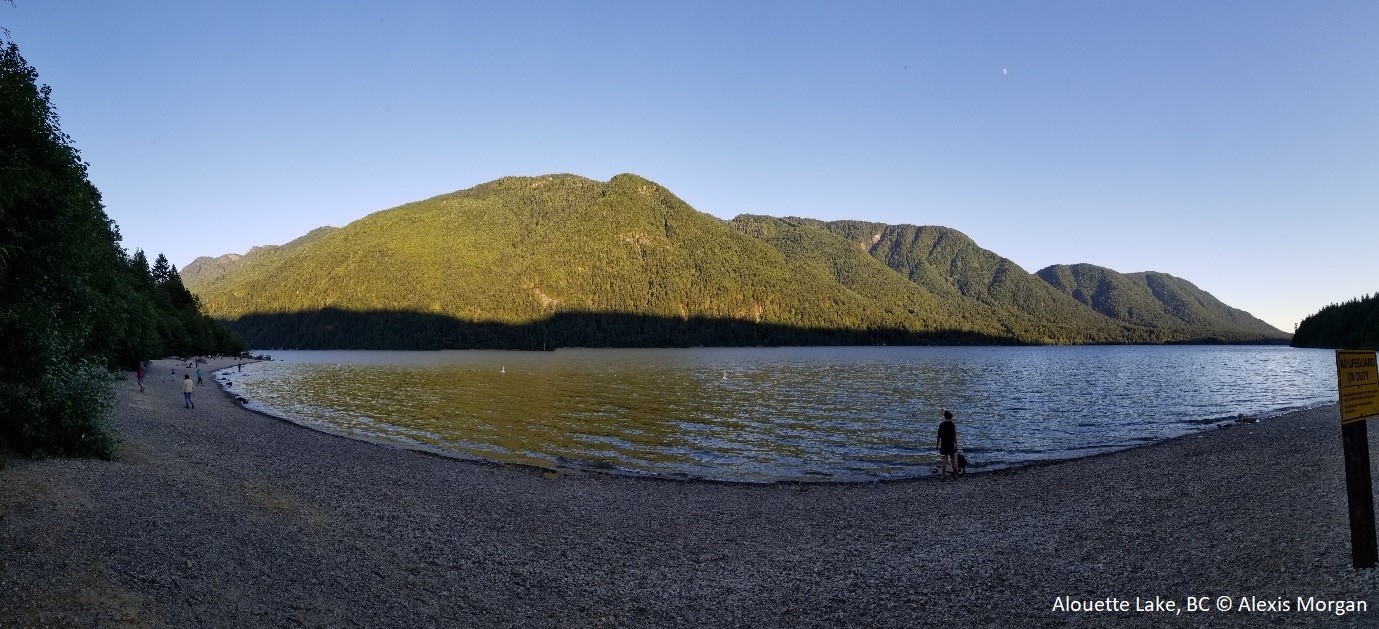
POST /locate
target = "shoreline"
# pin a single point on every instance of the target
(217, 517)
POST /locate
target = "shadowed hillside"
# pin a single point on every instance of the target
(341, 329)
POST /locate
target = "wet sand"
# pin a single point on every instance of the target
(223, 517)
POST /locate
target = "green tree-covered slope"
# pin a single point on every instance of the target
(949, 263)
(1173, 306)
(521, 249)
(530, 251)
(1350, 325)
(207, 269)
(875, 294)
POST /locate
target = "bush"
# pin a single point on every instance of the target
(65, 414)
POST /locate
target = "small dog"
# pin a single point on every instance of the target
(961, 461)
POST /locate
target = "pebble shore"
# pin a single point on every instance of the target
(222, 517)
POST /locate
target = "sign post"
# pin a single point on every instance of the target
(1357, 380)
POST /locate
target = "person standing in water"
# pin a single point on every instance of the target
(948, 445)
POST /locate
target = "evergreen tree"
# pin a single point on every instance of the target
(1350, 325)
(56, 285)
(72, 303)
(161, 269)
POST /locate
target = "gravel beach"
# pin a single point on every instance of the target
(221, 517)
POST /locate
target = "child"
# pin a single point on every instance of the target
(187, 388)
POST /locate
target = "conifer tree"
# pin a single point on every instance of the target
(72, 304)
(56, 289)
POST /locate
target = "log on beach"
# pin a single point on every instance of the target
(219, 516)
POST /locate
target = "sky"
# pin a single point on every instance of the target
(1232, 143)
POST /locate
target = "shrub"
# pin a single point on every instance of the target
(65, 413)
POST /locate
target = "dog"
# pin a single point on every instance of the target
(959, 459)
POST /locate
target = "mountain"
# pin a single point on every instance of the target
(562, 260)
(518, 250)
(207, 269)
(1156, 300)
(948, 263)
(828, 260)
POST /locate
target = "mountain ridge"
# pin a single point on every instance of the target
(521, 251)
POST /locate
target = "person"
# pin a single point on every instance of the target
(139, 375)
(948, 445)
(198, 377)
(187, 388)
(239, 367)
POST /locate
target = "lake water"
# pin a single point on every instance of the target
(770, 414)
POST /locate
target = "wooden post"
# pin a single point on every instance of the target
(1357, 380)
(1360, 494)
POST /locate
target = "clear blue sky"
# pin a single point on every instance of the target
(1231, 143)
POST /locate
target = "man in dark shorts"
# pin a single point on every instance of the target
(948, 445)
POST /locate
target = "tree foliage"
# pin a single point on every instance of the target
(73, 304)
(1350, 325)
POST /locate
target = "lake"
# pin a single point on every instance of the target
(851, 414)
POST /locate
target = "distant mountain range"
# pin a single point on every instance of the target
(561, 260)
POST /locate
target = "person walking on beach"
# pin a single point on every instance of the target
(187, 388)
(139, 375)
(948, 445)
(198, 377)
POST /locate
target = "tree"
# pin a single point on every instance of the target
(161, 269)
(72, 303)
(56, 286)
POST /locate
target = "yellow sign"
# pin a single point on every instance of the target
(1358, 380)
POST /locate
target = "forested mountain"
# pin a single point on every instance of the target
(878, 295)
(948, 263)
(206, 269)
(517, 250)
(1155, 300)
(1350, 325)
(563, 260)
